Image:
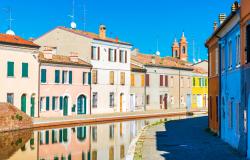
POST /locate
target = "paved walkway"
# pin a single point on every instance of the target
(185, 140)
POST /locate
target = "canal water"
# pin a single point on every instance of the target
(108, 141)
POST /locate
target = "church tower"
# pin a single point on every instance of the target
(175, 49)
(183, 50)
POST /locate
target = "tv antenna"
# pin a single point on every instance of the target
(10, 19)
(72, 16)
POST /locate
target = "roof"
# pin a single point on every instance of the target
(166, 62)
(16, 40)
(93, 36)
(59, 59)
(200, 62)
(136, 68)
(199, 70)
(222, 26)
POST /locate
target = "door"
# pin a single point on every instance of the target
(81, 105)
(188, 102)
(121, 99)
(199, 101)
(32, 108)
(23, 103)
(65, 106)
(166, 101)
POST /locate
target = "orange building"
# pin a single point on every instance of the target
(213, 83)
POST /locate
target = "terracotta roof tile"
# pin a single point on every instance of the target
(16, 40)
(93, 35)
(59, 59)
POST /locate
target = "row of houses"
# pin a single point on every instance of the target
(68, 71)
(229, 52)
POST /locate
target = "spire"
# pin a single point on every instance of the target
(175, 44)
(10, 31)
(183, 38)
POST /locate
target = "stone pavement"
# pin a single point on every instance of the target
(185, 139)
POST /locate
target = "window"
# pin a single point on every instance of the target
(216, 61)
(65, 75)
(147, 80)
(54, 136)
(85, 78)
(94, 100)
(43, 76)
(194, 82)
(10, 98)
(166, 81)
(230, 60)
(95, 53)
(122, 76)
(112, 55)
(223, 58)
(111, 99)
(111, 131)
(248, 43)
(94, 76)
(111, 78)
(161, 80)
(123, 56)
(94, 133)
(10, 69)
(47, 103)
(188, 82)
(142, 80)
(42, 104)
(57, 76)
(25, 70)
(147, 99)
(238, 57)
(132, 77)
(184, 49)
(172, 81)
(55, 103)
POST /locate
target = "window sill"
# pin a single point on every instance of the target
(10, 76)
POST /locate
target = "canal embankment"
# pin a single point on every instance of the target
(105, 118)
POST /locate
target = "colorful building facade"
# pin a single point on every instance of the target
(64, 85)
(110, 59)
(19, 75)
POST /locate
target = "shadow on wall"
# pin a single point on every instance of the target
(188, 139)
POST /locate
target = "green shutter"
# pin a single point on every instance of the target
(70, 77)
(53, 103)
(60, 135)
(10, 69)
(57, 76)
(47, 103)
(47, 137)
(63, 77)
(53, 136)
(43, 76)
(61, 103)
(25, 69)
(89, 77)
(65, 135)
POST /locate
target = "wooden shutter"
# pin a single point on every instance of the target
(94, 76)
(47, 103)
(122, 78)
(147, 80)
(53, 103)
(126, 53)
(25, 69)
(132, 80)
(98, 53)
(148, 99)
(47, 137)
(160, 99)
(63, 80)
(10, 70)
(142, 80)
(109, 54)
(57, 76)
(92, 52)
(70, 77)
(115, 54)
(111, 77)
(89, 78)
(166, 81)
(61, 103)
(161, 80)
(120, 56)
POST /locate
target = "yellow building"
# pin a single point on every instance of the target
(200, 90)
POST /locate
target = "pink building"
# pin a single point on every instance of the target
(64, 84)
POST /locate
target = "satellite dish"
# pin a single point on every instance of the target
(73, 25)
(158, 53)
(10, 32)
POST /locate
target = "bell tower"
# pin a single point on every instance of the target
(183, 50)
(175, 49)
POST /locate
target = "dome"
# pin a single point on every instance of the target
(73, 25)
(10, 32)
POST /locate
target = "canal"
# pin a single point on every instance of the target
(109, 141)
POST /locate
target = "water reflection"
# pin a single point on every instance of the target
(96, 142)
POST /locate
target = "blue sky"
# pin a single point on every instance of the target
(140, 22)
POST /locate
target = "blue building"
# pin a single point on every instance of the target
(232, 105)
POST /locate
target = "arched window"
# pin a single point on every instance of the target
(81, 104)
(183, 49)
(81, 133)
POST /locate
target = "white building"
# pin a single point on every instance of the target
(110, 59)
(19, 73)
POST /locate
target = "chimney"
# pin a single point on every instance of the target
(73, 57)
(215, 25)
(102, 31)
(48, 52)
(222, 17)
(116, 39)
